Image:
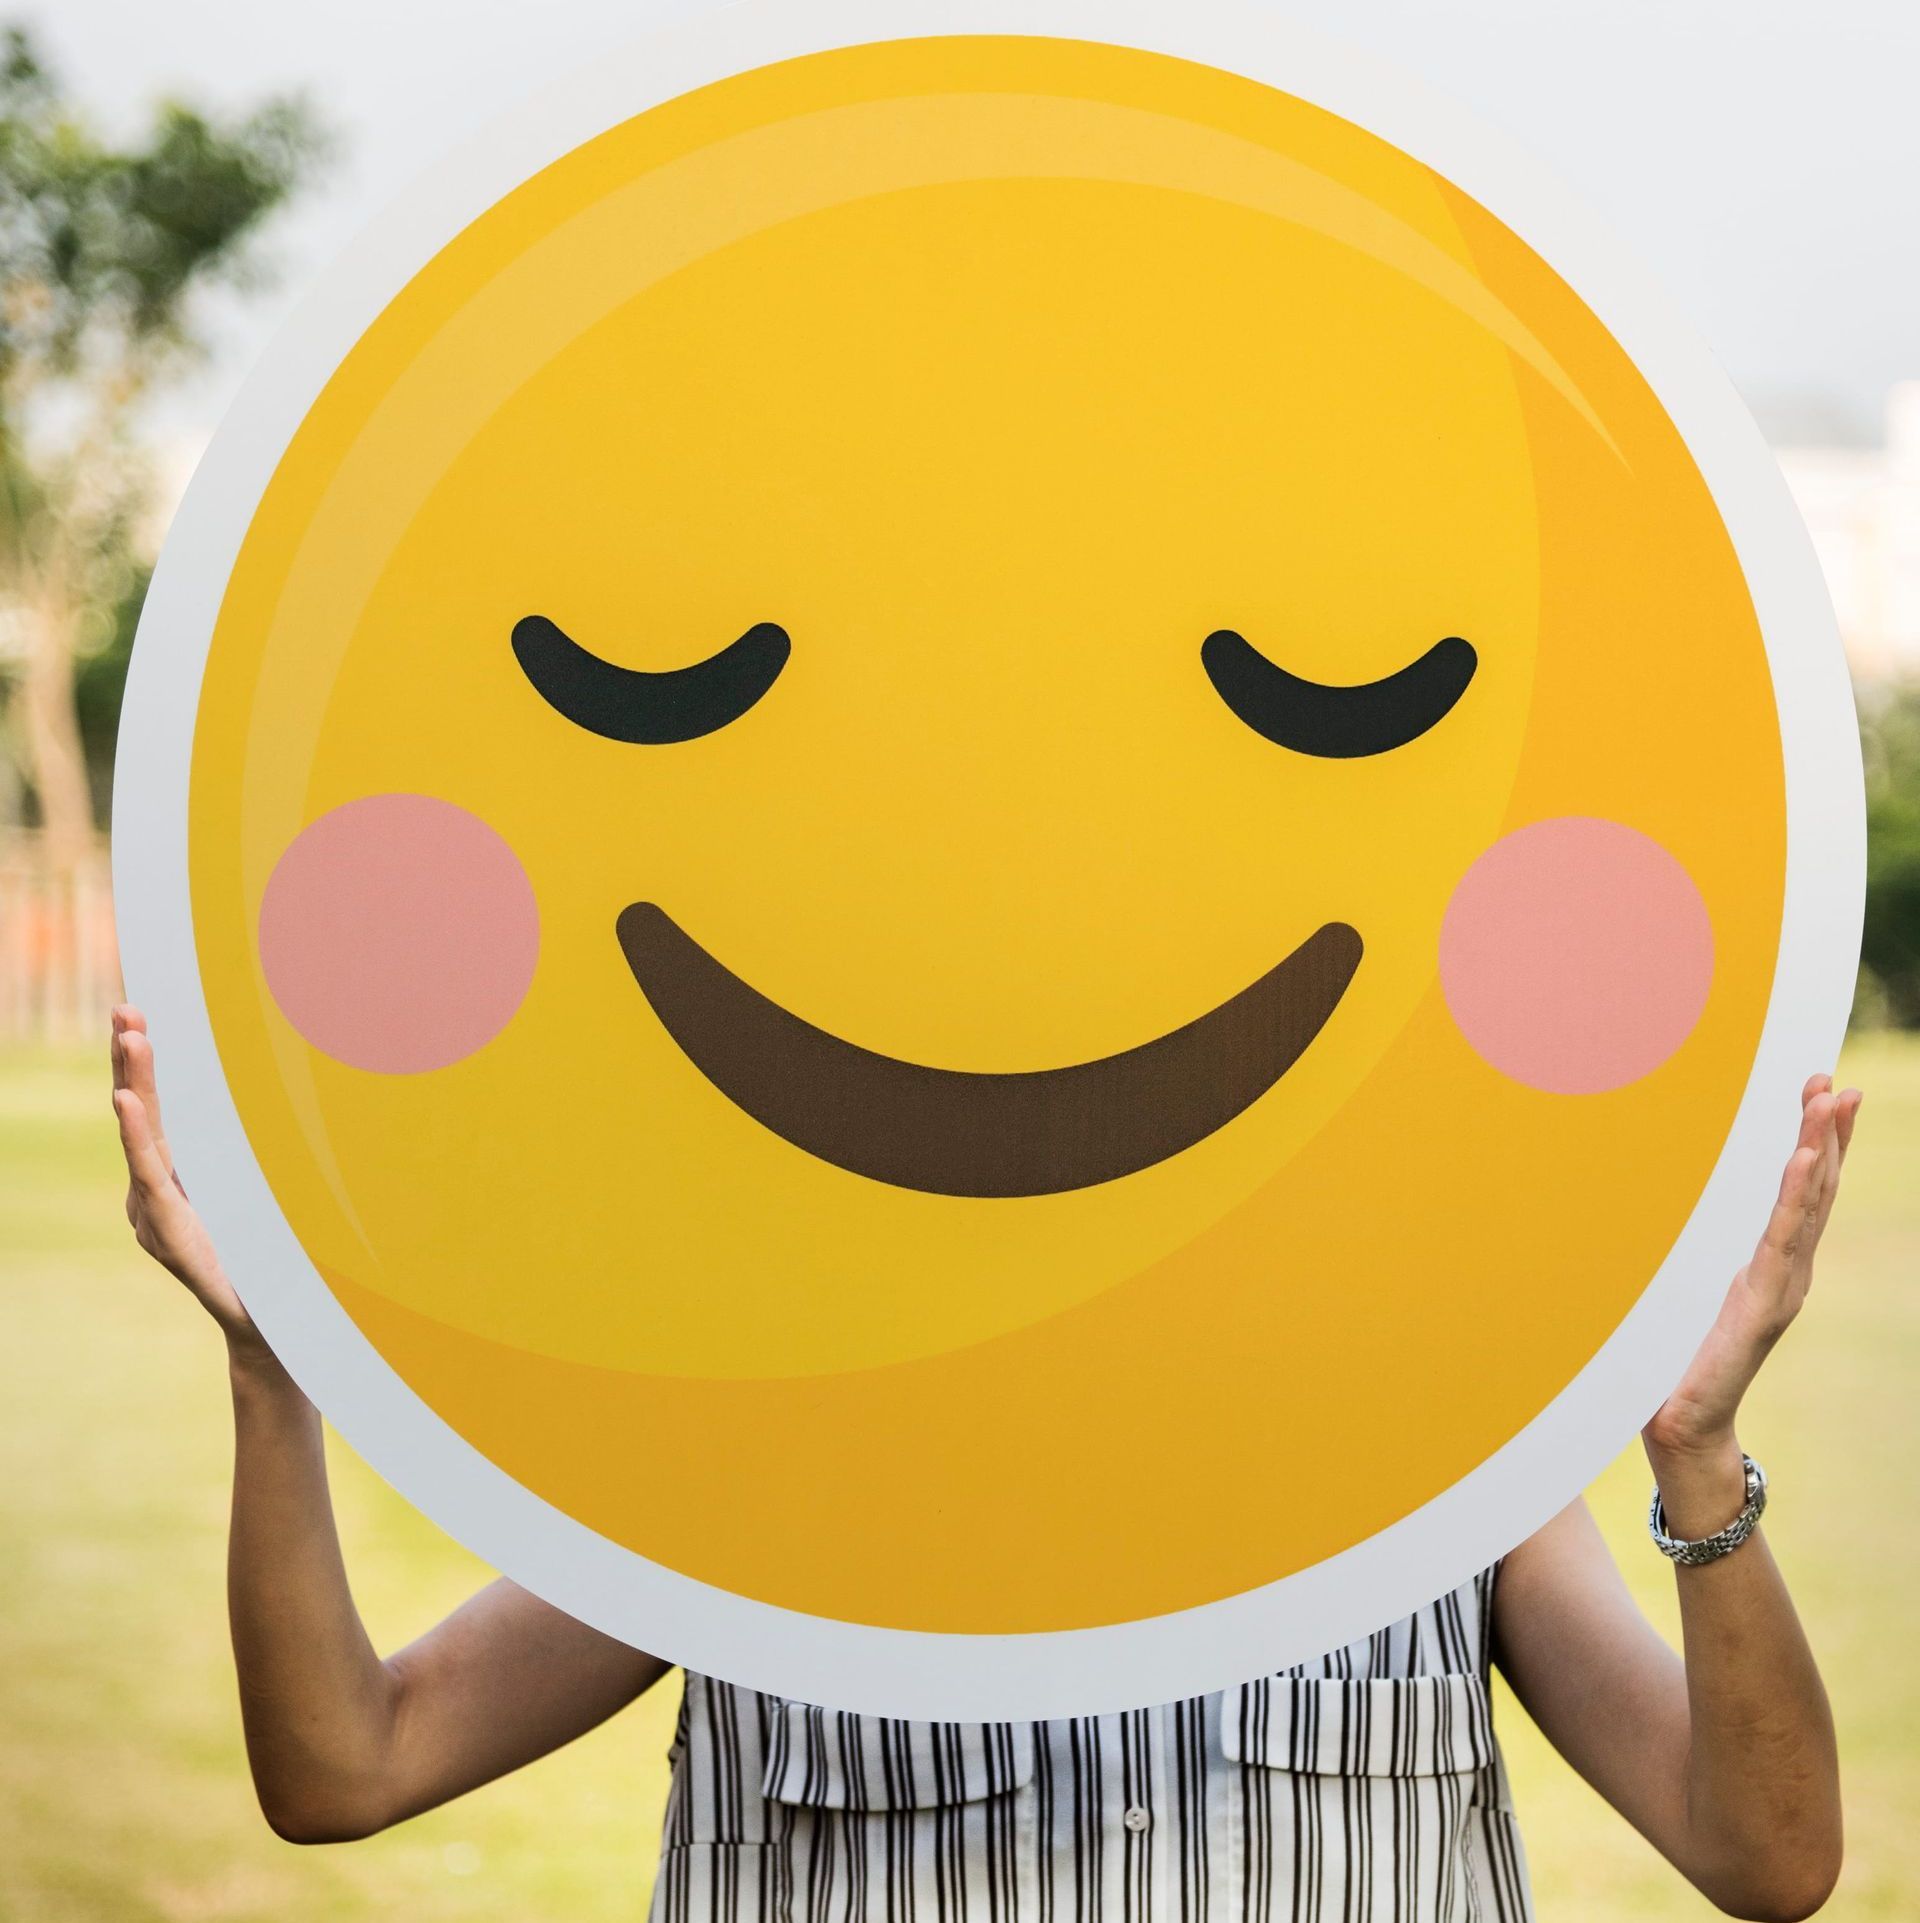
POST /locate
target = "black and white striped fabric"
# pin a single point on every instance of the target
(1363, 1787)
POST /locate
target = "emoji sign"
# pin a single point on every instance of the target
(984, 873)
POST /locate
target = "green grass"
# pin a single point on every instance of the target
(123, 1788)
(1835, 1418)
(123, 1784)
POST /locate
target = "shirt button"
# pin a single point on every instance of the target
(1137, 1819)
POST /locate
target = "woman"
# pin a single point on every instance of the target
(1362, 1785)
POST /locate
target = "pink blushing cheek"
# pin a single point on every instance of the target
(398, 933)
(1576, 955)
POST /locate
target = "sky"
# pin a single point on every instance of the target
(1763, 156)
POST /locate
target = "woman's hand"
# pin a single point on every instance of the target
(1726, 1763)
(1691, 1440)
(341, 1743)
(165, 1223)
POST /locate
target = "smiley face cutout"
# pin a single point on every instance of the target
(987, 837)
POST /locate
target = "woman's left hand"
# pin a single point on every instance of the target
(1691, 1440)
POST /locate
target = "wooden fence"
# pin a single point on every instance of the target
(59, 964)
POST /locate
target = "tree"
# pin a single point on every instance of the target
(102, 250)
(1890, 941)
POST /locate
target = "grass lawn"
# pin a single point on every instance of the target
(123, 1791)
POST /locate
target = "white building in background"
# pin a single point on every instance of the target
(1862, 505)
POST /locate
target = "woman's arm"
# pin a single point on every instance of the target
(342, 1743)
(1724, 1761)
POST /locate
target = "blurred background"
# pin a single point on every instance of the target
(171, 178)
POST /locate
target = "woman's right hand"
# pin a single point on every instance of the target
(165, 1223)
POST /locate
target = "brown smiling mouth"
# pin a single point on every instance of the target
(954, 1132)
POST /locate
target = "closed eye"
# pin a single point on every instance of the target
(628, 704)
(1339, 723)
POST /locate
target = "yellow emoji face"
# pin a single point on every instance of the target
(987, 835)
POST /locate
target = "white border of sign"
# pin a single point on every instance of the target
(1069, 1672)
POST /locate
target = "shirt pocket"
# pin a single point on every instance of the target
(873, 1816)
(1356, 1798)
(831, 1759)
(1381, 1726)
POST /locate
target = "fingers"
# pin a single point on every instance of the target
(120, 1020)
(1782, 1267)
(137, 1053)
(136, 1077)
(1816, 1115)
(1817, 1135)
(1846, 1109)
(123, 1019)
(1790, 1226)
(148, 1172)
(1846, 1113)
(1797, 1180)
(154, 1200)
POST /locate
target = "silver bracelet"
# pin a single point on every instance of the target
(1722, 1542)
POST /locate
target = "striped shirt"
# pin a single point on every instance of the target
(1364, 1785)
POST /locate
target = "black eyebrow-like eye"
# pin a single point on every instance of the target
(1340, 723)
(628, 704)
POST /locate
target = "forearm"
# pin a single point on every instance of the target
(317, 1703)
(1762, 1796)
(342, 1743)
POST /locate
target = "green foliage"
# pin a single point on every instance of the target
(100, 246)
(103, 247)
(99, 681)
(1890, 943)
